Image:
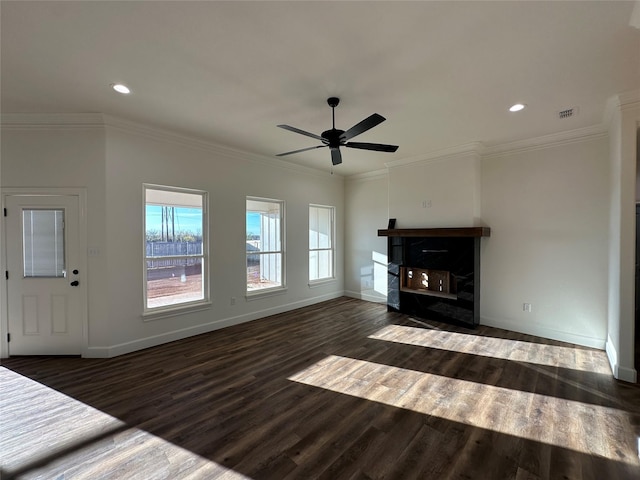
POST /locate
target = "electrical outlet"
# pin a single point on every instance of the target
(526, 307)
(233, 300)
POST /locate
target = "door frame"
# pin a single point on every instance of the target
(81, 194)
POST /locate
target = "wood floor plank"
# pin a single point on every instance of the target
(338, 390)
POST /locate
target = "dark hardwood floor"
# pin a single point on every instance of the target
(339, 390)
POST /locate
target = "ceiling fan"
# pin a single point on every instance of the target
(334, 138)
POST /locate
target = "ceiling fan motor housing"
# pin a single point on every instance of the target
(332, 137)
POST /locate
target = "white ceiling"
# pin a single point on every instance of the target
(442, 73)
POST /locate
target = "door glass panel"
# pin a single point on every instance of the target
(43, 243)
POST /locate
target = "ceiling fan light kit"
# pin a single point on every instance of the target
(335, 138)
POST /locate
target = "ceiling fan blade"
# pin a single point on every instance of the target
(378, 147)
(301, 150)
(336, 156)
(363, 126)
(302, 132)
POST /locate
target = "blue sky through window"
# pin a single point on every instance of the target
(253, 223)
(185, 219)
(190, 220)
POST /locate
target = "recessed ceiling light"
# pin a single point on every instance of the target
(120, 88)
(517, 107)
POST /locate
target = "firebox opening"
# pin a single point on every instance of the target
(436, 283)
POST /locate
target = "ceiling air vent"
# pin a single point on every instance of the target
(568, 112)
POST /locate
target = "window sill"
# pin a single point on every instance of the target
(271, 292)
(175, 311)
(321, 283)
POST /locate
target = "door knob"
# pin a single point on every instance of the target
(75, 283)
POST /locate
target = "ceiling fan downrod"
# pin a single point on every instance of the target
(333, 103)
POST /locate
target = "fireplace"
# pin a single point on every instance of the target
(424, 281)
(434, 273)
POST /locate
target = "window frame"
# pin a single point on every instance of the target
(150, 313)
(331, 248)
(261, 292)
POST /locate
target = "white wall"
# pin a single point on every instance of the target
(547, 208)
(366, 203)
(49, 153)
(134, 159)
(438, 192)
(112, 162)
(548, 213)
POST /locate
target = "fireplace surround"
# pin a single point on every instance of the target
(434, 273)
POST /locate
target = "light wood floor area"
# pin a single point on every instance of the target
(339, 390)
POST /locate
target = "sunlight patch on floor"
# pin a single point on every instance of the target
(513, 350)
(46, 434)
(577, 426)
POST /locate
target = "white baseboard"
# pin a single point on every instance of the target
(367, 297)
(153, 341)
(621, 373)
(627, 374)
(545, 332)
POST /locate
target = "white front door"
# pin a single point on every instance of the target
(45, 285)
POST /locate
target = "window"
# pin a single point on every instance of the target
(321, 233)
(176, 248)
(43, 243)
(265, 250)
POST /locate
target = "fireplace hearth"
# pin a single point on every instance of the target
(434, 273)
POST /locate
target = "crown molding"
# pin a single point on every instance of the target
(157, 133)
(547, 141)
(473, 149)
(65, 121)
(621, 101)
(520, 146)
(160, 134)
(32, 121)
(53, 121)
(479, 150)
(627, 98)
(373, 175)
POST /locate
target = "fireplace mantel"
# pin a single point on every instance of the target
(437, 232)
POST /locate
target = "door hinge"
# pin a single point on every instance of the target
(5, 212)
(8, 337)
(6, 274)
